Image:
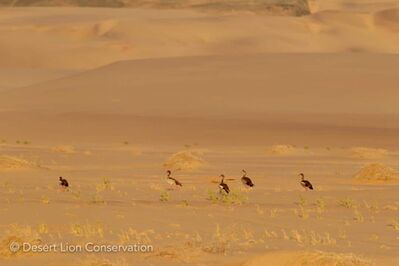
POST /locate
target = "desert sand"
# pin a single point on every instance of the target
(111, 98)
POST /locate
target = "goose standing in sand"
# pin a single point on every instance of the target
(172, 181)
(223, 186)
(64, 183)
(305, 183)
(246, 180)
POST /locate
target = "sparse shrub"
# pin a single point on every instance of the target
(358, 216)
(273, 213)
(231, 198)
(105, 185)
(45, 200)
(302, 201)
(395, 225)
(97, 199)
(87, 230)
(76, 194)
(133, 236)
(302, 213)
(320, 207)
(347, 203)
(43, 228)
(164, 196)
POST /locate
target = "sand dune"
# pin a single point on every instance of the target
(202, 86)
(388, 19)
(72, 38)
(192, 95)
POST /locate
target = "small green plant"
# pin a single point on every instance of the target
(231, 198)
(347, 203)
(302, 201)
(320, 207)
(320, 204)
(76, 194)
(105, 185)
(395, 225)
(164, 196)
(87, 230)
(97, 199)
(43, 228)
(273, 213)
(214, 197)
(259, 210)
(302, 213)
(372, 207)
(45, 200)
(358, 216)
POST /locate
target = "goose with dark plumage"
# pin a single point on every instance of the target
(246, 181)
(223, 187)
(63, 182)
(172, 181)
(305, 183)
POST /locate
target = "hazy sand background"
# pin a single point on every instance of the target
(111, 97)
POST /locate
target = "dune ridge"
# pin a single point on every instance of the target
(276, 7)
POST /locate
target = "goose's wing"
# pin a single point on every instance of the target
(307, 184)
(247, 181)
(177, 183)
(225, 187)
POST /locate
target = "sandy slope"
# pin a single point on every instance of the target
(213, 94)
(203, 86)
(11, 78)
